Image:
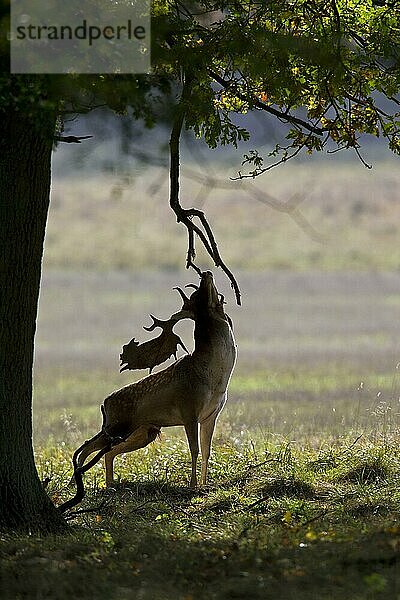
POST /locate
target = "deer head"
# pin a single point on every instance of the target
(157, 350)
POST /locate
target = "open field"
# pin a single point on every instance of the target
(303, 498)
(305, 216)
(317, 351)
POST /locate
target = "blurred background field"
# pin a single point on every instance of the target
(315, 247)
(317, 215)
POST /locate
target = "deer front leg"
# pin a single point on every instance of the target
(206, 433)
(138, 439)
(192, 434)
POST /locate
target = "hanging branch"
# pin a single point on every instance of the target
(187, 215)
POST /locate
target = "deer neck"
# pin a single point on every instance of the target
(215, 350)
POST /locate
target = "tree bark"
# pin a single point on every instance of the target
(25, 162)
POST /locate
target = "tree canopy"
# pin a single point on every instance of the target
(329, 68)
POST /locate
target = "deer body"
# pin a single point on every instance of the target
(189, 392)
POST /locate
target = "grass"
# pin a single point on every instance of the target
(295, 403)
(281, 520)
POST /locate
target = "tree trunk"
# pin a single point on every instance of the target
(25, 161)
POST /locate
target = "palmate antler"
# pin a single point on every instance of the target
(154, 352)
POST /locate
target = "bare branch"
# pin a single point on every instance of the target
(363, 161)
(187, 215)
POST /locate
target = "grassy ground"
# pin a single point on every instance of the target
(277, 520)
(303, 498)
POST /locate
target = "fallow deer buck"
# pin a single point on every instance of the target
(189, 392)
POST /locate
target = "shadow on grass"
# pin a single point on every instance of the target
(150, 489)
(161, 560)
(367, 472)
(291, 487)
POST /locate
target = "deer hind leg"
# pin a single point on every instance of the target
(192, 434)
(140, 438)
(97, 442)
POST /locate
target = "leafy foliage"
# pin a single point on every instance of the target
(329, 69)
(336, 62)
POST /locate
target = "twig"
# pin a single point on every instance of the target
(140, 506)
(71, 139)
(260, 170)
(77, 513)
(261, 464)
(257, 502)
(368, 166)
(318, 516)
(353, 444)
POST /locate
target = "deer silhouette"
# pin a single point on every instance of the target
(191, 391)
